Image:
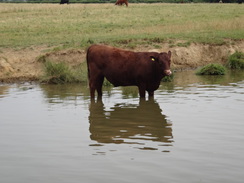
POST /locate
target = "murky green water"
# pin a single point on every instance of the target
(191, 132)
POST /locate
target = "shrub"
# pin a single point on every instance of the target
(212, 69)
(60, 73)
(168, 78)
(236, 61)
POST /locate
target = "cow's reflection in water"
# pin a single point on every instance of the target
(129, 123)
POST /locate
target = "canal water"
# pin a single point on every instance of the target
(192, 131)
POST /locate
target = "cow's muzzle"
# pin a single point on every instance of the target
(168, 72)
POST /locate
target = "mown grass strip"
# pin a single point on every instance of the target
(78, 25)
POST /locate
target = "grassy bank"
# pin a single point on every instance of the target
(78, 25)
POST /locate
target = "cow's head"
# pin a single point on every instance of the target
(163, 59)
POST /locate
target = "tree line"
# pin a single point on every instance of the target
(130, 1)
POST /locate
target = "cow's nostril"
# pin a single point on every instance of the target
(168, 72)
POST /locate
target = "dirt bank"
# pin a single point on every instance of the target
(26, 64)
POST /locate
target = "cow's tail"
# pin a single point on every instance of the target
(87, 61)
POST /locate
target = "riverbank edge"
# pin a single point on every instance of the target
(26, 65)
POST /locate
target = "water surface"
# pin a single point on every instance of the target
(191, 132)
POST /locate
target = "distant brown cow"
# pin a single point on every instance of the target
(64, 1)
(121, 2)
(126, 68)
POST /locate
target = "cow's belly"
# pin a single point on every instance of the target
(121, 77)
(122, 81)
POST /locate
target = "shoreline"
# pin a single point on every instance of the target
(26, 65)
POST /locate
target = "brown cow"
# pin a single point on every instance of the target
(121, 2)
(126, 68)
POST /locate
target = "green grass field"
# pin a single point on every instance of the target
(78, 25)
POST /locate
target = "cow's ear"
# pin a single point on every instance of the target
(169, 54)
(153, 59)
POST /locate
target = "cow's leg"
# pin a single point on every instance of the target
(95, 80)
(92, 90)
(142, 91)
(95, 83)
(151, 94)
(99, 86)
